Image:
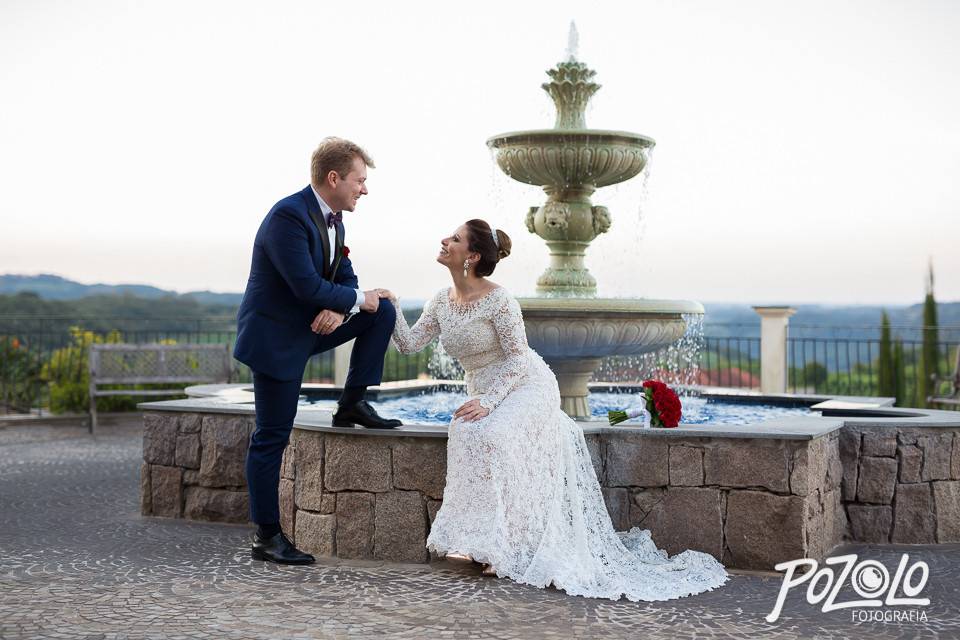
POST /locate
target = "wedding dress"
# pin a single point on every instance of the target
(521, 491)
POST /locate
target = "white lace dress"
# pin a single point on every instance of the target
(521, 491)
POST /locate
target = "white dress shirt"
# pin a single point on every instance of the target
(325, 211)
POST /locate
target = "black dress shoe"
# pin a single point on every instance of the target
(364, 415)
(278, 549)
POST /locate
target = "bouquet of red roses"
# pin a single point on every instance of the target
(661, 402)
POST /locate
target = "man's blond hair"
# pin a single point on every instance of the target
(335, 154)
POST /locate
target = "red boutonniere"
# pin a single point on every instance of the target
(346, 251)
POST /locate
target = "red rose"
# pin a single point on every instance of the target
(346, 251)
(662, 403)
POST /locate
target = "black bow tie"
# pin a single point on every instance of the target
(334, 218)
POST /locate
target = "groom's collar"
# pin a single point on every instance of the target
(325, 209)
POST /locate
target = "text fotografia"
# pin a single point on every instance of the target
(888, 615)
(870, 580)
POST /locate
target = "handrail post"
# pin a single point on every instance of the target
(773, 347)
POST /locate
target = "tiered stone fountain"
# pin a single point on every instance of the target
(567, 323)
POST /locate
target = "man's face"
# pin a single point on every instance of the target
(350, 187)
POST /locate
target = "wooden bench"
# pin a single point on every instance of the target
(953, 398)
(135, 364)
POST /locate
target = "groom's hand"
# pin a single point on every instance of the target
(326, 322)
(371, 300)
(471, 410)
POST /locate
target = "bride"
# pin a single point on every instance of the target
(521, 493)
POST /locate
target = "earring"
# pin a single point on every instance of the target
(466, 265)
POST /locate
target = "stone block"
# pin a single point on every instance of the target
(328, 504)
(188, 450)
(763, 529)
(316, 533)
(880, 444)
(191, 477)
(146, 499)
(748, 463)
(946, 500)
(288, 508)
(686, 466)
(224, 441)
(420, 464)
(166, 491)
(937, 451)
(217, 505)
(308, 460)
(190, 422)
(400, 527)
(433, 507)
(356, 463)
(595, 447)
(878, 477)
(618, 506)
(832, 461)
(288, 468)
(850, 460)
(913, 520)
(646, 508)
(160, 438)
(691, 519)
(633, 460)
(955, 459)
(870, 523)
(355, 520)
(911, 462)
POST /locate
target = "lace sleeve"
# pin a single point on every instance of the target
(411, 340)
(508, 321)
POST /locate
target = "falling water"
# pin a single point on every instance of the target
(677, 365)
(443, 366)
(573, 42)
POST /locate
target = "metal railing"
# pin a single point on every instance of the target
(41, 359)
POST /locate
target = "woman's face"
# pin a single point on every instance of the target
(453, 249)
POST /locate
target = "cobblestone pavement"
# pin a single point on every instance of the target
(78, 561)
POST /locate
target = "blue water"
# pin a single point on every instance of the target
(438, 407)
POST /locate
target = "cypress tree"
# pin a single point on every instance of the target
(899, 375)
(930, 361)
(885, 373)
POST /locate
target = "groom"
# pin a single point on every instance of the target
(302, 299)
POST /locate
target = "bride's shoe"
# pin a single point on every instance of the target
(458, 557)
(488, 570)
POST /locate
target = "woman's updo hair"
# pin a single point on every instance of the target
(481, 241)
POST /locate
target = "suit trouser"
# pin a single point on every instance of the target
(276, 404)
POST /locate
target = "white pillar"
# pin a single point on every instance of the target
(341, 363)
(773, 347)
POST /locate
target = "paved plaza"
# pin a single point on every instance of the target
(78, 561)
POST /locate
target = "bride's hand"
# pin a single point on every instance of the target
(386, 293)
(471, 410)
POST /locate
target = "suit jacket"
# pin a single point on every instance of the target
(290, 283)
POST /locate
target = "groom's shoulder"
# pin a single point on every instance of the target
(296, 201)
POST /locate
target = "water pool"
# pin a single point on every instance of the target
(436, 408)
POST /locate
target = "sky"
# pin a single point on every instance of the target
(806, 151)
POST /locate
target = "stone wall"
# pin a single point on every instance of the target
(750, 502)
(193, 466)
(901, 485)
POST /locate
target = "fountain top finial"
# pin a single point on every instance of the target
(573, 42)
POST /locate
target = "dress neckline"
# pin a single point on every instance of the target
(471, 304)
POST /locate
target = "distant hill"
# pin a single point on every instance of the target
(721, 320)
(813, 320)
(51, 287)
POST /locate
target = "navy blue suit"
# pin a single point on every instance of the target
(291, 281)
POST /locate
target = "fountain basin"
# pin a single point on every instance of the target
(574, 334)
(558, 158)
